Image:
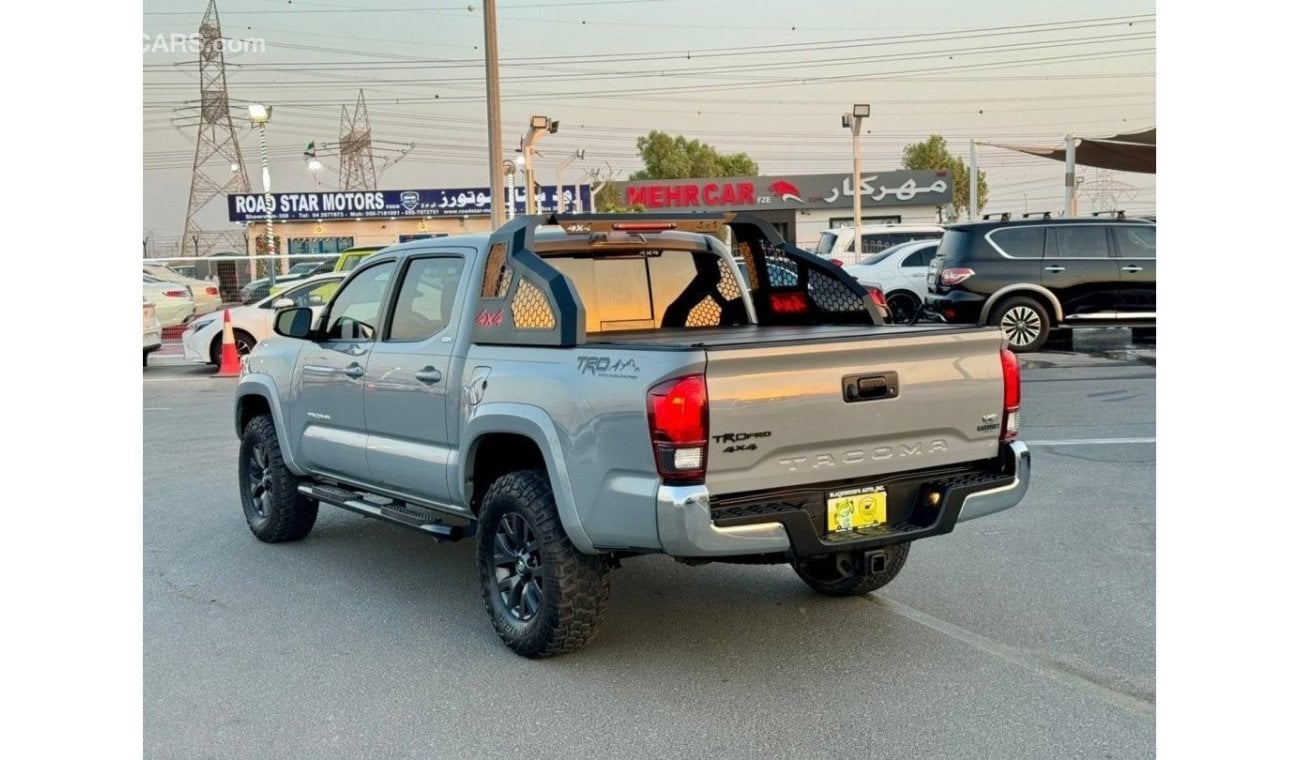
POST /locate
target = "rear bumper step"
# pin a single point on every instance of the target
(406, 515)
(791, 521)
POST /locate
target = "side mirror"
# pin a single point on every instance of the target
(282, 303)
(294, 323)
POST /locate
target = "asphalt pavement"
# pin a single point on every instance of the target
(1027, 634)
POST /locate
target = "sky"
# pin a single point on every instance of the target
(770, 79)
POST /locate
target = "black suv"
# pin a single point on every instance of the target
(1031, 275)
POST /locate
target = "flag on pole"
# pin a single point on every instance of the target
(311, 150)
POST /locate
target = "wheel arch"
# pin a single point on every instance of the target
(528, 438)
(1028, 290)
(255, 396)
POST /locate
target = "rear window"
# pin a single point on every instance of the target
(826, 244)
(953, 245)
(1136, 242)
(650, 289)
(875, 242)
(879, 257)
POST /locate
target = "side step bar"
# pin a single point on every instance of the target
(423, 520)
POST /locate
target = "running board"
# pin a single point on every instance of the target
(426, 521)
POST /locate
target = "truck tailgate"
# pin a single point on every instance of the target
(794, 414)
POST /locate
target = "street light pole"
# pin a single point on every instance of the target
(314, 167)
(510, 167)
(493, 109)
(260, 116)
(854, 122)
(559, 179)
(537, 126)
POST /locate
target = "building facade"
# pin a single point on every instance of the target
(801, 206)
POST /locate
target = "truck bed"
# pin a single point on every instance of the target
(685, 338)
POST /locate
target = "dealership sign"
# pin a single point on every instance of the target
(791, 191)
(386, 204)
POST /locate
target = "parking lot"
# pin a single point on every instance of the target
(1030, 633)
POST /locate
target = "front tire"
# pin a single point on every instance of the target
(847, 573)
(243, 344)
(543, 595)
(1024, 322)
(269, 491)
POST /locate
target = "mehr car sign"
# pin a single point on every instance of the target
(383, 204)
(790, 191)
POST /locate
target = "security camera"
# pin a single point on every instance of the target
(846, 121)
(554, 127)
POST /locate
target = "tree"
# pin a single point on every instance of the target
(668, 157)
(933, 154)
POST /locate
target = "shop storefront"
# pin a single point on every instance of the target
(800, 206)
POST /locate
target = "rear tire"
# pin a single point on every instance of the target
(1024, 322)
(269, 491)
(846, 573)
(544, 596)
(903, 307)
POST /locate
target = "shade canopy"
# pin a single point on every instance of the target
(1131, 152)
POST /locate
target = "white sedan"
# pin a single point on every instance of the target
(172, 301)
(900, 272)
(152, 330)
(207, 297)
(253, 323)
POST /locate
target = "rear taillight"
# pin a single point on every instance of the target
(837, 262)
(788, 303)
(877, 297)
(176, 293)
(212, 291)
(955, 275)
(679, 428)
(1010, 395)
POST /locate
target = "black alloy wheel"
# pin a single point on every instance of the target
(520, 571)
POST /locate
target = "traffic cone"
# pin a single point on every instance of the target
(229, 354)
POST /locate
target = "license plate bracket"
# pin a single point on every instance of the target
(853, 508)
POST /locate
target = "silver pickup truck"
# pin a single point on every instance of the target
(575, 391)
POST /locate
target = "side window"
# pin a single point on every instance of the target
(1019, 242)
(317, 294)
(1081, 241)
(1136, 242)
(355, 311)
(424, 302)
(920, 258)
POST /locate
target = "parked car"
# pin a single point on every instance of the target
(1030, 276)
(842, 245)
(344, 262)
(260, 288)
(173, 302)
(900, 271)
(207, 296)
(152, 330)
(201, 340)
(578, 397)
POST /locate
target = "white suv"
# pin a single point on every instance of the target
(838, 243)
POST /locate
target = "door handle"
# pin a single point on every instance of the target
(1053, 269)
(353, 370)
(1130, 269)
(428, 375)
